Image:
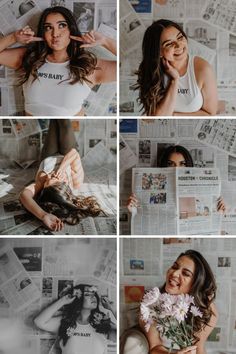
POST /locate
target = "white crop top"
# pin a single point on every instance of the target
(189, 97)
(50, 95)
(84, 340)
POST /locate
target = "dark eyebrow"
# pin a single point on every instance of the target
(49, 23)
(169, 40)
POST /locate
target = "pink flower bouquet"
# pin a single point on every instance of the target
(173, 316)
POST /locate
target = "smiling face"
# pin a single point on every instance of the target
(179, 278)
(176, 159)
(174, 46)
(56, 32)
(90, 300)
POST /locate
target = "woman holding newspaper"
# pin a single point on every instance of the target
(56, 69)
(81, 326)
(189, 274)
(170, 81)
(173, 156)
(51, 197)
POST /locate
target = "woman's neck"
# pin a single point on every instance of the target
(83, 317)
(59, 56)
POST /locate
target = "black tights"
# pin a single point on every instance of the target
(60, 138)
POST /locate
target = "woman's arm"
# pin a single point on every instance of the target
(106, 69)
(207, 83)
(12, 58)
(72, 159)
(166, 106)
(45, 319)
(27, 199)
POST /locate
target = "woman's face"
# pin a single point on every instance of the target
(90, 300)
(176, 159)
(180, 276)
(174, 46)
(56, 32)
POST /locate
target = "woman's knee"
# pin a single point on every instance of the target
(134, 342)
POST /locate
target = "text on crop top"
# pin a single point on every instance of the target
(189, 97)
(51, 94)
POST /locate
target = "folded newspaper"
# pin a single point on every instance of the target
(176, 201)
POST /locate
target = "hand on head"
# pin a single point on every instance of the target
(106, 303)
(169, 69)
(26, 36)
(52, 222)
(68, 299)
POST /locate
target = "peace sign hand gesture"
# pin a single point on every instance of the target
(90, 39)
(26, 36)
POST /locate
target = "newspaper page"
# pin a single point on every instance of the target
(156, 192)
(142, 256)
(219, 133)
(131, 28)
(198, 190)
(16, 14)
(15, 283)
(127, 157)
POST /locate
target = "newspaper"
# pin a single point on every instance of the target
(15, 283)
(127, 157)
(176, 201)
(219, 133)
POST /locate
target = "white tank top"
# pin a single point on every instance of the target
(49, 95)
(84, 340)
(189, 97)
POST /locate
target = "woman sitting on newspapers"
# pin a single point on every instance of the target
(175, 156)
(51, 197)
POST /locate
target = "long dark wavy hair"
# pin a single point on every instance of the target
(151, 71)
(72, 311)
(203, 289)
(59, 200)
(163, 162)
(81, 62)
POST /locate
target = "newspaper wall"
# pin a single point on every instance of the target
(211, 144)
(143, 265)
(210, 27)
(99, 15)
(35, 271)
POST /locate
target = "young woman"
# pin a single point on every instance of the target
(189, 274)
(81, 326)
(51, 197)
(173, 156)
(57, 72)
(170, 80)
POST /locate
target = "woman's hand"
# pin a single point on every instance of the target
(59, 174)
(132, 203)
(52, 222)
(221, 207)
(90, 39)
(170, 70)
(188, 350)
(67, 299)
(106, 303)
(26, 35)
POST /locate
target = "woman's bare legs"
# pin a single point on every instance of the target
(60, 138)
